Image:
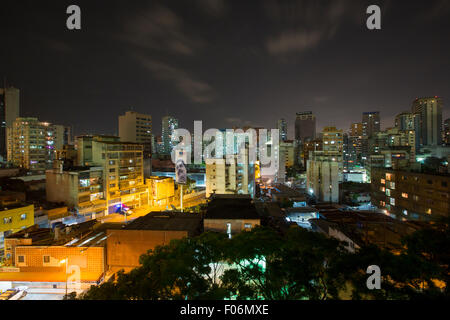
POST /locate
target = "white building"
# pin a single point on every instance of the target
(323, 178)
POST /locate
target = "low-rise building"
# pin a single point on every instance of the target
(125, 246)
(15, 217)
(81, 188)
(231, 214)
(72, 256)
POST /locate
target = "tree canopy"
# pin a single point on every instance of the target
(265, 264)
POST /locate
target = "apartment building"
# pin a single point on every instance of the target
(411, 195)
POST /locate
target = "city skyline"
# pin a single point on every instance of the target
(161, 60)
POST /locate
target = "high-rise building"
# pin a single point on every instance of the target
(446, 134)
(353, 146)
(356, 129)
(31, 144)
(9, 112)
(136, 127)
(287, 150)
(430, 123)
(393, 137)
(332, 140)
(235, 177)
(305, 126)
(305, 131)
(407, 121)
(322, 177)
(123, 171)
(282, 127)
(169, 124)
(370, 123)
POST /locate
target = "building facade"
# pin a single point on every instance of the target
(14, 218)
(31, 144)
(371, 123)
(411, 195)
(9, 112)
(323, 177)
(169, 124)
(136, 127)
(282, 127)
(430, 123)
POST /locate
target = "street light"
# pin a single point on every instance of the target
(66, 262)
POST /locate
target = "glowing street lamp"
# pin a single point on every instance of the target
(66, 262)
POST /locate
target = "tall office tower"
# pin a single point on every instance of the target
(370, 123)
(31, 144)
(446, 134)
(305, 126)
(282, 127)
(430, 110)
(169, 124)
(136, 127)
(9, 111)
(354, 146)
(305, 130)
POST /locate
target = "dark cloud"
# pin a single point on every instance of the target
(219, 61)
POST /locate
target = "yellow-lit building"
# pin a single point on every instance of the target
(15, 218)
(161, 190)
(123, 170)
(333, 140)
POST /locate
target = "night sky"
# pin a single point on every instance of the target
(228, 63)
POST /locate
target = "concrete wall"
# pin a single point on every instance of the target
(124, 247)
(90, 261)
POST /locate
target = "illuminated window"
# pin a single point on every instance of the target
(23, 216)
(388, 192)
(383, 181)
(248, 226)
(405, 195)
(388, 176)
(392, 201)
(392, 184)
(382, 189)
(429, 211)
(7, 220)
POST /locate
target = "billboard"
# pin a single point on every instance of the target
(180, 167)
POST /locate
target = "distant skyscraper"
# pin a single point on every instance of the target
(136, 127)
(430, 123)
(169, 124)
(305, 126)
(407, 121)
(305, 130)
(9, 111)
(282, 127)
(32, 144)
(371, 123)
